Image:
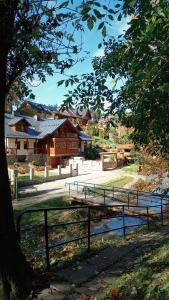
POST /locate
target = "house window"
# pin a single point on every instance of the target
(26, 145)
(18, 145)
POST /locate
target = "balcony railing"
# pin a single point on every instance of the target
(64, 151)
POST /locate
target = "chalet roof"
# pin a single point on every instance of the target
(40, 108)
(9, 132)
(49, 126)
(67, 113)
(74, 112)
(37, 129)
(85, 137)
(15, 120)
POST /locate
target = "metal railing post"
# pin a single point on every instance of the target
(162, 223)
(104, 195)
(88, 230)
(113, 191)
(46, 240)
(137, 198)
(128, 199)
(94, 190)
(124, 227)
(148, 223)
(85, 192)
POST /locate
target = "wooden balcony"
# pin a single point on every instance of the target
(65, 146)
(64, 151)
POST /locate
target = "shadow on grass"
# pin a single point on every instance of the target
(121, 261)
(36, 193)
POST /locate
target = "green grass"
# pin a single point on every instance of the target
(39, 216)
(120, 182)
(26, 177)
(133, 168)
(150, 278)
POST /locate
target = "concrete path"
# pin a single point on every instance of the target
(48, 190)
(91, 277)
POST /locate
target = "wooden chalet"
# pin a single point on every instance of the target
(76, 116)
(57, 139)
(33, 108)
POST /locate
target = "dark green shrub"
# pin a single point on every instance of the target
(92, 152)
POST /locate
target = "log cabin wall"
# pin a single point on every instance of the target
(63, 142)
(20, 126)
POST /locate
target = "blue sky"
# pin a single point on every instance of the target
(48, 92)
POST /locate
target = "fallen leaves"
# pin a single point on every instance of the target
(114, 294)
(86, 297)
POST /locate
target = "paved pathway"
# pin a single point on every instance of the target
(91, 277)
(89, 173)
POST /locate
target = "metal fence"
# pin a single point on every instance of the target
(106, 212)
(109, 195)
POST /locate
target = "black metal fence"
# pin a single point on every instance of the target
(116, 194)
(106, 212)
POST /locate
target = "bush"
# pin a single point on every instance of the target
(145, 186)
(22, 170)
(92, 152)
(39, 168)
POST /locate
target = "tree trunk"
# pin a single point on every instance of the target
(15, 274)
(14, 271)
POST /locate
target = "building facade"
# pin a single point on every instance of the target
(26, 138)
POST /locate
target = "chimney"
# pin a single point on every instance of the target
(36, 117)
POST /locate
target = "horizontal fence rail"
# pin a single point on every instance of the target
(108, 212)
(115, 194)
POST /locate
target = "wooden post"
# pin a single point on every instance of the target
(77, 170)
(14, 183)
(46, 172)
(71, 170)
(59, 170)
(31, 173)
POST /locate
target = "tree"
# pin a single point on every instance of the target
(139, 61)
(37, 37)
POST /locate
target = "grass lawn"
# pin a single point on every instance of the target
(150, 278)
(39, 216)
(26, 177)
(133, 168)
(117, 183)
(120, 182)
